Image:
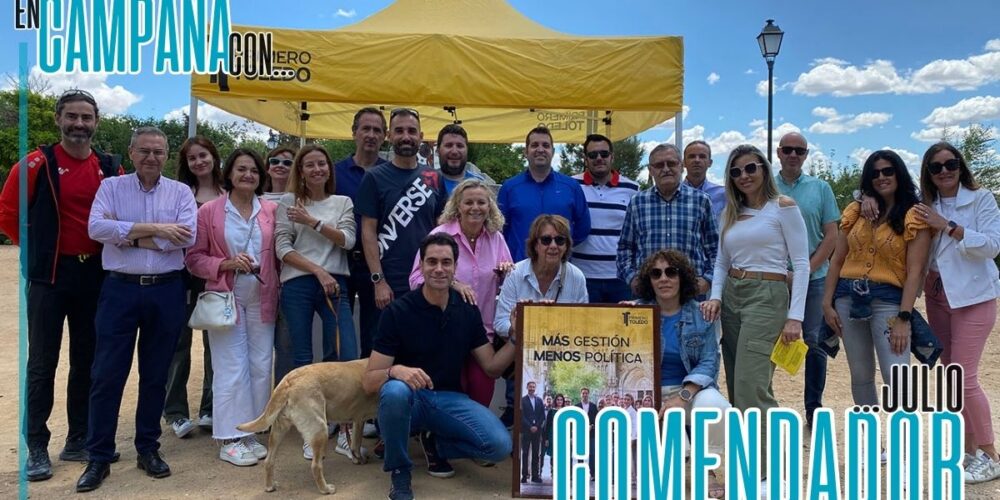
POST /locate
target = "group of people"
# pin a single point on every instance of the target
(436, 262)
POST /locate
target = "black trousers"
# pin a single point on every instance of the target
(361, 288)
(73, 297)
(176, 405)
(531, 443)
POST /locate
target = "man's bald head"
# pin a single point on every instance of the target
(792, 151)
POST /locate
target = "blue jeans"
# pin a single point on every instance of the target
(301, 298)
(816, 358)
(462, 427)
(607, 291)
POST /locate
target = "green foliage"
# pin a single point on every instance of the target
(41, 125)
(499, 161)
(843, 179)
(977, 146)
(568, 378)
(628, 158)
(338, 149)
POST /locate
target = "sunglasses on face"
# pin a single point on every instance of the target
(952, 165)
(670, 272)
(792, 149)
(660, 165)
(409, 111)
(279, 161)
(749, 168)
(885, 172)
(547, 240)
(594, 154)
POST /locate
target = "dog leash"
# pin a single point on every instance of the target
(336, 323)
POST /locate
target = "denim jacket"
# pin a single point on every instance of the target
(699, 346)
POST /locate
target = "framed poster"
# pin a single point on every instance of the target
(585, 355)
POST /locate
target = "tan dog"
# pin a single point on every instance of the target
(308, 398)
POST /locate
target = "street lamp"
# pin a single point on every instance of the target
(769, 40)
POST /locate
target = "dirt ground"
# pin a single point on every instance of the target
(198, 473)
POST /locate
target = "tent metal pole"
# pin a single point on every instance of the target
(193, 117)
(679, 130)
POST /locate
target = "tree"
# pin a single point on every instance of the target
(41, 125)
(628, 158)
(569, 377)
(338, 149)
(976, 146)
(499, 161)
(843, 179)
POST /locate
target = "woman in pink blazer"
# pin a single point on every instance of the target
(234, 251)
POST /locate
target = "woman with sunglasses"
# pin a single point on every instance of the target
(279, 166)
(875, 274)
(314, 229)
(761, 232)
(472, 217)
(962, 287)
(689, 365)
(234, 252)
(198, 166)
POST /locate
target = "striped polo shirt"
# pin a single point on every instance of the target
(607, 205)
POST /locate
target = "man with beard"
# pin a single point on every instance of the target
(369, 134)
(819, 210)
(608, 195)
(453, 152)
(399, 203)
(670, 215)
(63, 270)
(540, 190)
(697, 161)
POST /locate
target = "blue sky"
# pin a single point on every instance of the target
(852, 76)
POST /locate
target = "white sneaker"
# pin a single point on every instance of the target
(344, 447)
(237, 453)
(258, 450)
(307, 451)
(971, 459)
(205, 422)
(985, 469)
(182, 427)
(884, 458)
(370, 431)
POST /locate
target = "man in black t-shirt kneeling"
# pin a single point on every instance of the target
(420, 347)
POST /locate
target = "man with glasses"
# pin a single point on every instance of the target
(819, 210)
(668, 215)
(608, 195)
(145, 222)
(63, 270)
(697, 161)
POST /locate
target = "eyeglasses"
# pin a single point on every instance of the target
(672, 164)
(670, 272)
(404, 111)
(547, 240)
(749, 168)
(158, 153)
(279, 161)
(792, 149)
(885, 172)
(594, 154)
(952, 165)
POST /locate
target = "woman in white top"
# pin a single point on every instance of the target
(279, 167)
(761, 232)
(962, 287)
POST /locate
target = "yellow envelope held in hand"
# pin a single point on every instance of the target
(789, 357)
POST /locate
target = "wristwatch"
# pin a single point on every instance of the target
(952, 226)
(686, 395)
(376, 277)
(905, 315)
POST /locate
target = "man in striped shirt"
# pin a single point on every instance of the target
(608, 196)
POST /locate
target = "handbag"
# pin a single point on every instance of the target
(214, 311)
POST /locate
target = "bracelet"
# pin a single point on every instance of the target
(135, 243)
(318, 225)
(388, 373)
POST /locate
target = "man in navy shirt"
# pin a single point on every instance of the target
(369, 134)
(540, 190)
(453, 152)
(421, 346)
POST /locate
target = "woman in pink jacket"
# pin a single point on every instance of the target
(234, 251)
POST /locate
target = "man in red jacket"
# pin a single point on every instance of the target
(63, 269)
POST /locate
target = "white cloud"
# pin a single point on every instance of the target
(211, 114)
(713, 77)
(973, 109)
(757, 123)
(835, 123)
(111, 100)
(669, 124)
(912, 160)
(749, 71)
(935, 134)
(840, 78)
(695, 133)
(346, 13)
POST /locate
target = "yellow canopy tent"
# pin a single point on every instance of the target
(476, 62)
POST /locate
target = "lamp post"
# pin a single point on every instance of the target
(769, 40)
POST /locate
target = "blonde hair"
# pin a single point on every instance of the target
(494, 219)
(734, 197)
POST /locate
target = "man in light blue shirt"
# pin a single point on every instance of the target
(697, 161)
(819, 210)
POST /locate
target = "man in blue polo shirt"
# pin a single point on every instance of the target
(369, 134)
(697, 161)
(540, 190)
(819, 210)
